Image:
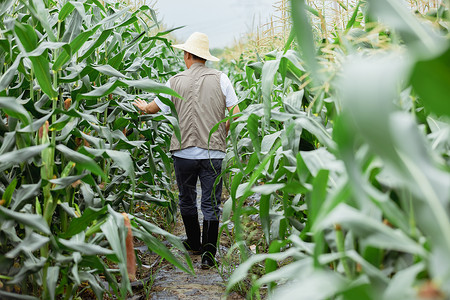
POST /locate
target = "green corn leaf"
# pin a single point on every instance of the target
(151, 228)
(319, 159)
(253, 131)
(35, 125)
(64, 182)
(75, 45)
(9, 142)
(312, 10)
(27, 36)
(85, 248)
(158, 246)
(402, 283)
(115, 231)
(98, 4)
(227, 209)
(108, 70)
(305, 38)
(101, 91)
(80, 224)
(267, 189)
(29, 244)
(289, 41)
(98, 41)
(30, 266)
(353, 18)
(300, 268)
(42, 14)
(162, 33)
(216, 127)
(28, 39)
(8, 76)
(148, 198)
(83, 162)
(252, 163)
(176, 126)
(291, 67)
(19, 156)
(13, 108)
(4, 44)
(98, 143)
(268, 73)
(293, 102)
(65, 11)
(121, 158)
(5, 6)
(370, 230)
(93, 283)
(14, 296)
(169, 103)
(152, 12)
(317, 198)
(143, 84)
(311, 287)
(237, 179)
(7, 195)
(431, 80)
(264, 209)
(61, 123)
(150, 86)
(40, 49)
(111, 18)
(34, 221)
(52, 279)
(275, 247)
(127, 22)
(241, 272)
(268, 141)
(24, 194)
(117, 60)
(421, 39)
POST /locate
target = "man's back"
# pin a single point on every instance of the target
(203, 106)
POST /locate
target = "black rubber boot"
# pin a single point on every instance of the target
(192, 227)
(209, 242)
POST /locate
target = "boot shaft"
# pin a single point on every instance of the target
(209, 237)
(192, 228)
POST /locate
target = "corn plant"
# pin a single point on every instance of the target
(345, 143)
(74, 151)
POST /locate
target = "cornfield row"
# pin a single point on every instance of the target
(346, 145)
(74, 151)
(342, 147)
(326, 17)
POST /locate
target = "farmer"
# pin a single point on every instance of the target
(206, 93)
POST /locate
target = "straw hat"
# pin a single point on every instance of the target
(197, 44)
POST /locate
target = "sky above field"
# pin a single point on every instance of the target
(222, 20)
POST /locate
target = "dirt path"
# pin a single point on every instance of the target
(170, 283)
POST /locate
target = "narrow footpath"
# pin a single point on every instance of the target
(171, 283)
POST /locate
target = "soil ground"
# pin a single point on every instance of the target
(164, 281)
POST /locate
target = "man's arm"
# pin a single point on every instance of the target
(148, 108)
(230, 98)
(154, 106)
(235, 111)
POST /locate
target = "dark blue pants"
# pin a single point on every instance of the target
(187, 171)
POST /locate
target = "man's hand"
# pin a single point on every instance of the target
(148, 108)
(141, 104)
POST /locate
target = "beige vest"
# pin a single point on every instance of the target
(203, 107)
